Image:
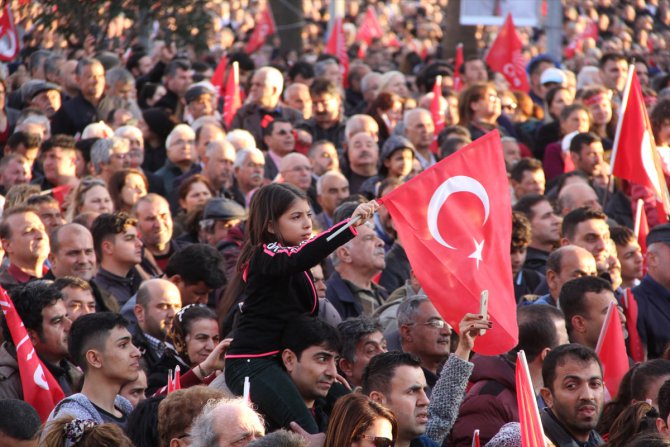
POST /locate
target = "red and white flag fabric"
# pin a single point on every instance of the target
(634, 155)
(641, 227)
(231, 95)
(369, 28)
(174, 381)
(635, 344)
(532, 434)
(40, 388)
(9, 37)
(458, 63)
(436, 112)
(265, 26)
(337, 46)
(506, 58)
(611, 349)
(455, 223)
(219, 75)
(476, 442)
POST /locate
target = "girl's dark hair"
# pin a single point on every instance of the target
(352, 415)
(183, 323)
(637, 418)
(551, 94)
(267, 205)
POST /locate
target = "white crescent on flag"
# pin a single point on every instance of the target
(9, 38)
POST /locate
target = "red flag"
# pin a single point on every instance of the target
(436, 112)
(611, 349)
(532, 434)
(455, 223)
(337, 47)
(231, 95)
(634, 341)
(40, 389)
(9, 37)
(265, 26)
(475, 439)
(641, 228)
(369, 28)
(174, 382)
(458, 63)
(219, 74)
(634, 156)
(505, 56)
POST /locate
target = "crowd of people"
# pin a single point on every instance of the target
(143, 238)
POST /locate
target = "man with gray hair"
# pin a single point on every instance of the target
(248, 170)
(120, 93)
(109, 155)
(424, 333)
(420, 130)
(133, 135)
(263, 101)
(329, 69)
(361, 339)
(180, 144)
(370, 85)
(351, 289)
(227, 422)
(331, 189)
(218, 161)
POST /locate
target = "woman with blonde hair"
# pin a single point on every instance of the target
(358, 421)
(91, 195)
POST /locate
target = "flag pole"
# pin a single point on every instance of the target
(638, 217)
(351, 222)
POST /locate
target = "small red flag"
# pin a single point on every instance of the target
(505, 56)
(437, 113)
(40, 389)
(532, 434)
(476, 442)
(220, 74)
(369, 28)
(455, 223)
(174, 382)
(458, 63)
(641, 228)
(634, 156)
(611, 349)
(634, 341)
(231, 95)
(265, 26)
(337, 47)
(9, 37)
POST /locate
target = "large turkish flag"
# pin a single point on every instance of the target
(455, 223)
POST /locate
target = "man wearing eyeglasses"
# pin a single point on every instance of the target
(279, 138)
(425, 334)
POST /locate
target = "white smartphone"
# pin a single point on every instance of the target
(484, 307)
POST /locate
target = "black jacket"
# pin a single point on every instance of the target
(279, 287)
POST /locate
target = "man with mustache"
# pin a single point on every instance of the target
(311, 349)
(574, 393)
(327, 122)
(248, 171)
(351, 289)
(424, 333)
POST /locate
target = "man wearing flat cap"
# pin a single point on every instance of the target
(220, 215)
(199, 102)
(653, 293)
(44, 96)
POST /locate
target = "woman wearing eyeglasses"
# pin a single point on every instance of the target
(358, 421)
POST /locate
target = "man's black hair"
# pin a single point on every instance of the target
(305, 332)
(560, 355)
(18, 420)
(196, 263)
(577, 216)
(30, 300)
(573, 293)
(352, 330)
(302, 69)
(91, 332)
(526, 203)
(537, 329)
(583, 139)
(381, 370)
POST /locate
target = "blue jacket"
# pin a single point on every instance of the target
(653, 317)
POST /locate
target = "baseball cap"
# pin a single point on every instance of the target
(554, 75)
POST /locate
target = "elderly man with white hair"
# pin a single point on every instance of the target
(109, 155)
(263, 101)
(226, 423)
(180, 144)
(248, 170)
